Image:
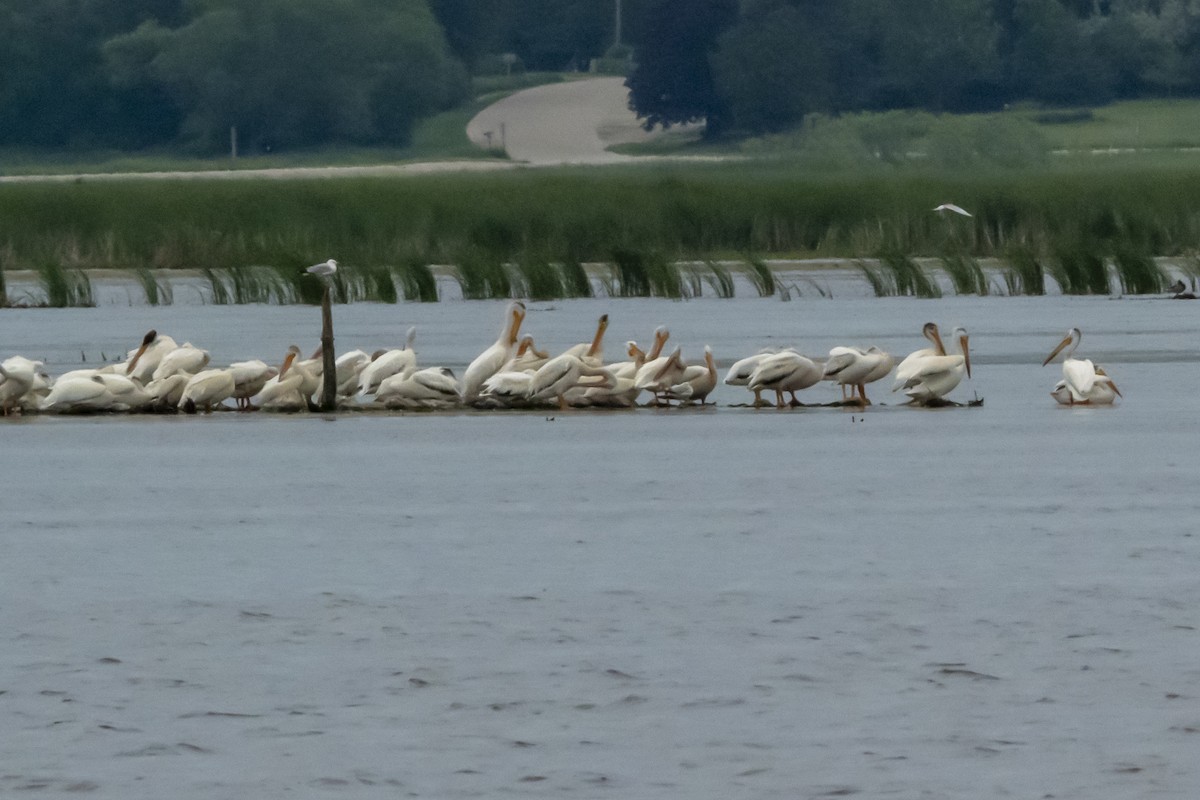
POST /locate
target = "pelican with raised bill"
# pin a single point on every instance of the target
(489, 362)
(930, 378)
(1083, 382)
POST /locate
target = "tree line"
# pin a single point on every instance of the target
(762, 65)
(131, 74)
(180, 74)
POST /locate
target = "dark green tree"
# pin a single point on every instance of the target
(672, 81)
(772, 69)
(296, 72)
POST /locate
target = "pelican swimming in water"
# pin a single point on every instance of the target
(1083, 382)
(489, 362)
(854, 367)
(932, 377)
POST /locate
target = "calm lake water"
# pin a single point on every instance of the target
(702, 603)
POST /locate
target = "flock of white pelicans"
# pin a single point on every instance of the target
(161, 375)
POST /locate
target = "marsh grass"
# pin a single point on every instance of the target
(157, 291)
(1137, 272)
(965, 274)
(539, 278)
(761, 277)
(880, 280)
(1024, 274)
(480, 275)
(416, 280)
(64, 287)
(720, 279)
(494, 228)
(1080, 269)
(907, 276)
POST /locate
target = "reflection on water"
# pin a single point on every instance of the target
(706, 603)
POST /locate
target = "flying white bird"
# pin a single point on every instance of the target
(324, 269)
(954, 208)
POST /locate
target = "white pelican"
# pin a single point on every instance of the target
(185, 358)
(487, 363)
(561, 374)
(141, 363)
(348, 367)
(206, 389)
(956, 209)
(77, 394)
(165, 393)
(660, 374)
(696, 382)
(249, 378)
(528, 357)
(1102, 393)
(385, 364)
(787, 371)
(509, 387)
(324, 269)
(434, 387)
(739, 373)
(1080, 376)
(850, 366)
(17, 375)
(286, 391)
(904, 371)
(621, 393)
(655, 361)
(592, 353)
(932, 377)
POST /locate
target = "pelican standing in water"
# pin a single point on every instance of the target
(696, 382)
(489, 362)
(932, 377)
(787, 371)
(1083, 382)
(850, 366)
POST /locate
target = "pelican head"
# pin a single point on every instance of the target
(147, 340)
(961, 335)
(526, 343)
(930, 331)
(1072, 339)
(661, 334)
(601, 327)
(516, 315)
(292, 353)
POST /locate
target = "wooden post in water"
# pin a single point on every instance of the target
(329, 377)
